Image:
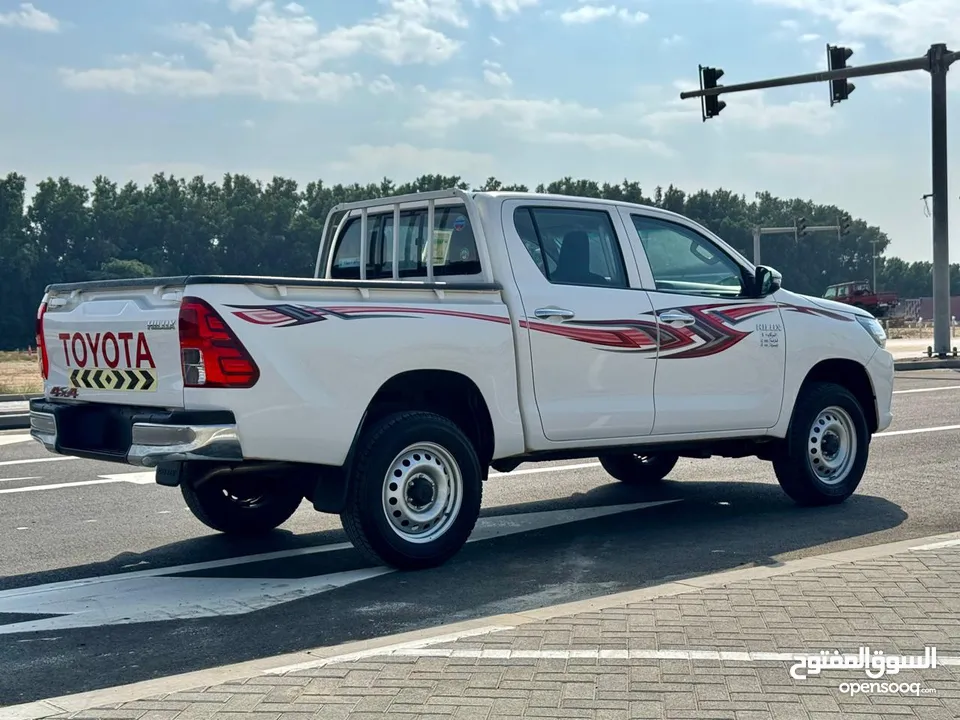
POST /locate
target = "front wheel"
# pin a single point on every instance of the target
(241, 504)
(826, 449)
(639, 469)
(415, 491)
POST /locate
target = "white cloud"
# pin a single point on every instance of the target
(672, 40)
(493, 74)
(382, 85)
(748, 109)
(402, 160)
(592, 13)
(503, 9)
(496, 41)
(903, 26)
(809, 37)
(284, 55)
(30, 18)
(446, 110)
(789, 24)
(602, 142)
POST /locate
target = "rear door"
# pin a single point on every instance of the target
(114, 345)
(593, 344)
(722, 354)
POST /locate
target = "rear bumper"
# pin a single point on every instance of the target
(134, 436)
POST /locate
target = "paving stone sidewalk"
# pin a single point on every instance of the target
(627, 662)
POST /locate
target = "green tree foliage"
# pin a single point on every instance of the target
(173, 226)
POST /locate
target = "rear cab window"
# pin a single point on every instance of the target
(454, 245)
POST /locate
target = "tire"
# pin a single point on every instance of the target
(409, 467)
(826, 449)
(238, 506)
(635, 469)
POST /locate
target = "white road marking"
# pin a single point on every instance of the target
(413, 645)
(587, 654)
(926, 389)
(152, 595)
(937, 545)
(147, 478)
(14, 439)
(56, 458)
(917, 431)
(35, 477)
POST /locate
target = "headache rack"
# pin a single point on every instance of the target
(396, 203)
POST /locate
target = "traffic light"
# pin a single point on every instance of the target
(837, 57)
(710, 105)
(844, 226)
(801, 226)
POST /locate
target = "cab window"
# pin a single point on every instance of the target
(454, 246)
(683, 261)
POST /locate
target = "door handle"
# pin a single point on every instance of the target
(549, 312)
(677, 317)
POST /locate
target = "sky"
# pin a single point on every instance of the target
(525, 90)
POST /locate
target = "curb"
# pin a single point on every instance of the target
(346, 652)
(13, 421)
(20, 398)
(926, 364)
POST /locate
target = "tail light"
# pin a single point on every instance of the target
(41, 345)
(211, 355)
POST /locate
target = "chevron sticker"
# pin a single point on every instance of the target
(130, 380)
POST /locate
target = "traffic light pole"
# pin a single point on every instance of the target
(759, 231)
(941, 239)
(937, 62)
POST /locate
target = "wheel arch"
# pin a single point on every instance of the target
(445, 392)
(851, 375)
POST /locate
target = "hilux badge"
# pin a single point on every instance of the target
(161, 325)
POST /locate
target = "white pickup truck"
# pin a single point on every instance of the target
(493, 329)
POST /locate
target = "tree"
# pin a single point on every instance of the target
(237, 225)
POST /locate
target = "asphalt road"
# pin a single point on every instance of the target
(106, 578)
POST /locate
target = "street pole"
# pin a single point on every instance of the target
(937, 62)
(874, 286)
(941, 242)
(756, 245)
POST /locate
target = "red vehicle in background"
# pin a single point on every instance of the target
(859, 293)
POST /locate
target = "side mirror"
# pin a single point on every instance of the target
(766, 281)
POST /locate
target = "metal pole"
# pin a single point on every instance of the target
(874, 286)
(756, 246)
(941, 238)
(882, 68)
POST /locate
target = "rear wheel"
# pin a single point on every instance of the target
(241, 504)
(826, 449)
(636, 469)
(415, 491)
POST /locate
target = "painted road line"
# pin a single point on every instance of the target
(14, 439)
(924, 390)
(57, 458)
(141, 478)
(486, 527)
(917, 431)
(156, 595)
(306, 659)
(35, 477)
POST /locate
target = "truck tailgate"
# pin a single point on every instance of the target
(114, 345)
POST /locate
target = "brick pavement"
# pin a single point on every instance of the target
(655, 658)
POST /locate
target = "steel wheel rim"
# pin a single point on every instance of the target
(832, 445)
(422, 492)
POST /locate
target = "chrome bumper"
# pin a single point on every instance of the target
(151, 443)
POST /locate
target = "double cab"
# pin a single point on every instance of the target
(447, 333)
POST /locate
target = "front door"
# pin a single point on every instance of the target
(592, 336)
(722, 355)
